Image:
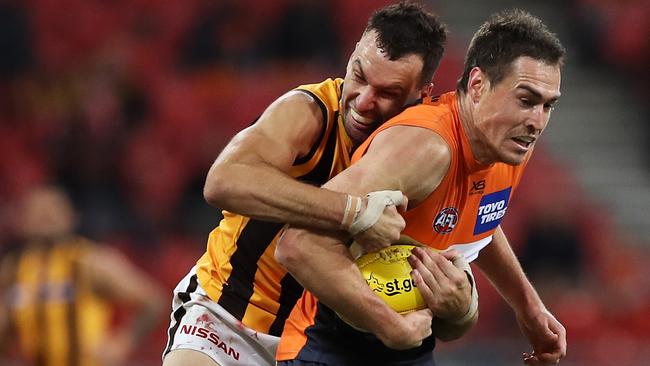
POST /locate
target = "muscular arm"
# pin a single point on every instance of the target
(545, 333)
(250, 176)
(502, 268)
(410, 159)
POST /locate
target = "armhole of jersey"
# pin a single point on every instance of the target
(314, 147)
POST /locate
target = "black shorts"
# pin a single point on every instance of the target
(332, 342)
(352, 363)
(300, 363)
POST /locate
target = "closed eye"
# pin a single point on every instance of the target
(525, 102)
(389, 94)
(359, 78)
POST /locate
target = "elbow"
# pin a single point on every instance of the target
(215, 190)
(287, 253)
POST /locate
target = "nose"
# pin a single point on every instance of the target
(538, 120)
(366, 99)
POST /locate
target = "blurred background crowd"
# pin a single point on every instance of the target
(125, 104)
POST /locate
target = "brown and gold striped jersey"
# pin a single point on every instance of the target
(56, 314)
(239, 270)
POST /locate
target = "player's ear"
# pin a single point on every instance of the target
(477, 82)
(427, 90)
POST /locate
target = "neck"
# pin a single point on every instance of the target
(466, 114)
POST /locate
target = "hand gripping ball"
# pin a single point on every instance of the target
(388, 274)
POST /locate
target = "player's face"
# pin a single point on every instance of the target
(511, 115)
(377, 88)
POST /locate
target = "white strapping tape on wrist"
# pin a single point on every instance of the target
(346, 214)
(461, 263)
(352, 208)
(377, 202)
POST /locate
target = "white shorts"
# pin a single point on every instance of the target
(200, 324)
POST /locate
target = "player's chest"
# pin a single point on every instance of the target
(464, 209)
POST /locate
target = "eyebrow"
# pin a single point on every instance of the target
(393, 87)
(537, 94)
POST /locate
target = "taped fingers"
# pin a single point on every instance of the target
(377, 202)
(396, 198)
(387, 197)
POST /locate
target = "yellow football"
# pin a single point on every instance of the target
(388, 274)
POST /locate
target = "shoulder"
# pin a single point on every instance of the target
(411, 142)
(328, 91)
(295, 102)
(431, 109)
(437, 118)
(418, 157)
(293, 120)
(305, 109)
(297, 108)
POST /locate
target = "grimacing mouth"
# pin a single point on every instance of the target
(359, 118)
(526, 141)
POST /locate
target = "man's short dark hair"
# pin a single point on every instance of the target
(405, 29)
(503, 38)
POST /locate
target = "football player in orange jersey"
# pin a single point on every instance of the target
(458, 157)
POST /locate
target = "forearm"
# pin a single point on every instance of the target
(329, 272)
(545, 333)
(500, 265)
(267, 193)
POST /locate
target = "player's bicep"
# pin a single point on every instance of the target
(286, 130)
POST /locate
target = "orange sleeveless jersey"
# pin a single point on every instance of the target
(461, 213)
(239, 270)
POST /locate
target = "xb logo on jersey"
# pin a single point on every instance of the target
(446, 220)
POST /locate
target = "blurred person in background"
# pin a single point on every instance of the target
(230, 309)
(458, 157)
(59, 291)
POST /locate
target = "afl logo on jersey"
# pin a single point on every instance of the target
(446, 220)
